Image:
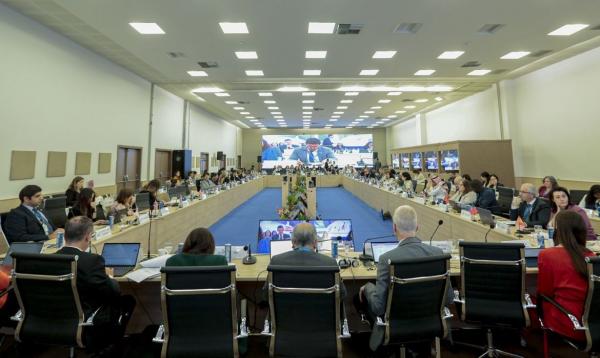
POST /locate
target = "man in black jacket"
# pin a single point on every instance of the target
(531, 209)
(26, 222)
(97, 291)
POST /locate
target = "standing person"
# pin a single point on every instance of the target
(73, 191)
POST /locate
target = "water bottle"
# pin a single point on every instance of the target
(228, 252)
(550, 232)
(111, 221)
(60, 239)
(334, 249)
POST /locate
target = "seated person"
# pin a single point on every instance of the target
(494, 182)
(205, 183)
(531, 209)
(73, 191)
(85, 206)
(198, 250)
(372, 298)
(591, 200)
(270, 152)
(562, 274)
(96, 289)
(486, 197)
(313, 152)
(151, 188)
(485, 179)
(407, 184)
(437, 188)
(548, 183)
(456, 182)
(465, 196)
(304, 241)
(560, 200)
(125, 200)
(26, 222)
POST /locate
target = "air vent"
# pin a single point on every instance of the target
(540, 53)
(349, 29)
(176, 54)
(408, 100)
(408, 28)
(209, 64)
(317, 109)
(471, 64)
(595, 28)
(243, 102)
(497, 72)
(490, 29)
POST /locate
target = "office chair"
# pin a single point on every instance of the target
(4, 244)
(100, 213)
(305, 311)
(505, 198)
(199, 312)
(577, 195)
(3, 217)
(415, 309)
(492, 291)
(589, 323)
(50, 310)
(55, 211)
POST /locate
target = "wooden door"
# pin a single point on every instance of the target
(204, 162)
(162, 165)
(223, 163)
(129, 168)
(239, 162)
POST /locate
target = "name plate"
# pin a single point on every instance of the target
(445, 245)
(185, 203)
(502, 227)
(144, 218)
(104, 232)
(443, 207)
(420, 200)
(164, 211)
(465, 214)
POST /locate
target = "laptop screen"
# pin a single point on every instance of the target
(281, 246)
(26, 247)
(380, 248)
(116, 254)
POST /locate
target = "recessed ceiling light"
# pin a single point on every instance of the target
(239, 108)
(307, 94)
(275, 112)
(363, 116)
(439, 99)
(359, 119)
(246, 55)
(231, 102)
(147, 28)
(349, 127)
(410, 107)
(207, 90)
(278, 117)
(311, 72)
(274, 107)
(254, 73)
(338, 112)
(307, 107)
(376, 107)
(291, 89)
(422, 100)
(321, 27)
(394, 93)
(384, 119)
(368, 72)
(222, 94)
(333, 120)
(315, 54)
(335, 116)
(307, 117)
(308, 101)
(380, 122)
(392, 116)
(244, 112)
(263, 128)
(346, 101)
(265, 94)
(479, 72)
(515, 55)
(351, 94)
(384, 101)
(249, 117)
(307, 113)
(384, 54)
(197, 73)
(369, 112)
(280, 120)
(450, 55)
(400, 112)
(234, 27)
(568, 30)
(254, 120)
(269, 102)
(341, 107)
(424, 72)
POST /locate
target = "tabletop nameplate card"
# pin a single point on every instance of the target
(144, 218)
(465, 214)
(185, 203)
(102, 233)
(164, 211)
(445, 245)
(420, 200)
(502, 227)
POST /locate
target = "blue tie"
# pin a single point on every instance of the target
(311, 157)
(42, 220)
(527, 212)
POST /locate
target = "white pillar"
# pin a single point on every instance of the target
(421, 128)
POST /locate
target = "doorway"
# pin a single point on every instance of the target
(129, 168)
(162, 165)
(239, 162)
(203, 163)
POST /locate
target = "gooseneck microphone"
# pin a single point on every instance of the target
(492, 226)
(440, 223)
(249, 260)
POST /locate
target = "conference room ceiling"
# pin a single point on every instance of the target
(278, 33)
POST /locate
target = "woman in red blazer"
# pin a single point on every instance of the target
(563, 275)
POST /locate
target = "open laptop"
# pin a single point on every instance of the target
(485, 216)
(121, 257)
(280, 246)
(22, 247)
(380, 248)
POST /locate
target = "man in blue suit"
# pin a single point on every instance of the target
(313, 152)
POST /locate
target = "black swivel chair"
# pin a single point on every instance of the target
(415, 310)
(492, 291)
(305, 311)
(199, 312)
(505, 198)
(50, 310)
(55, 211)
(577, 195)
(3, 217)
(590, 320)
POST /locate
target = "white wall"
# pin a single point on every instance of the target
(403, 134)
(167, 123)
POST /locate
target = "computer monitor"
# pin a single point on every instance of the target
(338, 229)
(405, 160)
(142, 201)
(22, 247)
(380, 248)
(120, 254)
(279, 247)
(415, 160)
(450, 160)
(431, 160)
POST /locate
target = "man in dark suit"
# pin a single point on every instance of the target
(97, 291)
(486, 197)
(26, 222)
(531, 209)
(373, 297)
(280, 235)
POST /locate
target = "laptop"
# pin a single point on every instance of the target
(280, 246)
(380, 248)
(22, 247)
(121, 257)
(531, 256)
(485, 216)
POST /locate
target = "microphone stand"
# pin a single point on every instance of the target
(492, 225)
(440, 222)
(249, 260)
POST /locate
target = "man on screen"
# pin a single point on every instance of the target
(312, 153)
(280, 235)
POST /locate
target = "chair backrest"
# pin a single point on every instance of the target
(199, 311)
(419, 188)
(55, 211)
(591, 312)
(4, 245)
(416, 299)
(505, 197)
(3, 217)
(577, 195)
(100, 214)
(305, 311)
(46, 289)
(493, 283)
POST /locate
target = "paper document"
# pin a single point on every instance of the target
(143, 274)
(156, 262)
